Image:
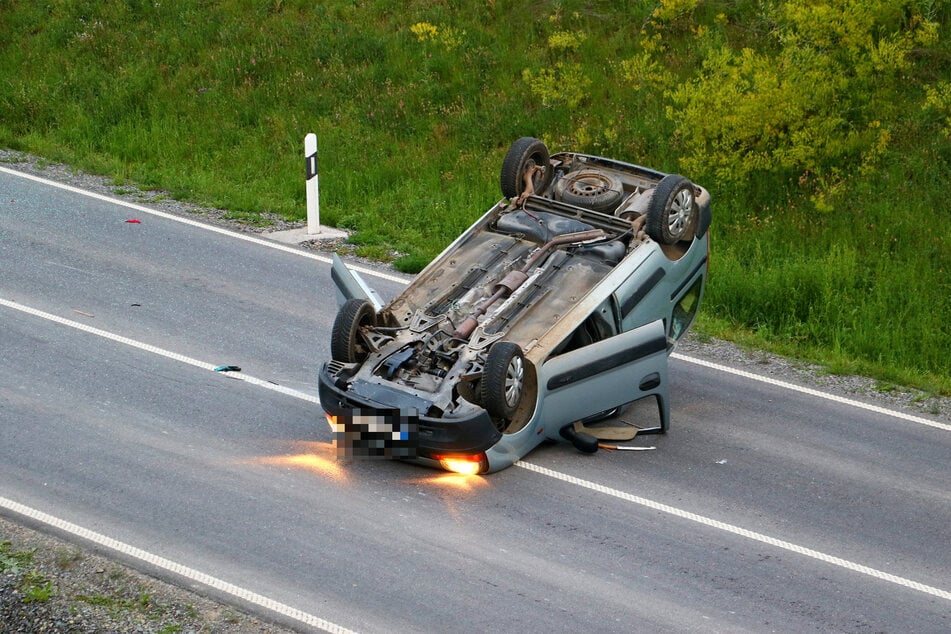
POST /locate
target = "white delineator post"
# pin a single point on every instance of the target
(313, 193)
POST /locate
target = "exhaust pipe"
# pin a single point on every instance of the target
(514, 279)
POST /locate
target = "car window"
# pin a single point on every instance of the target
(685, 310)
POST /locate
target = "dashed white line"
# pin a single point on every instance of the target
(736, 530)
(175, 568)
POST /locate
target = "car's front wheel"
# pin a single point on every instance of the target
(347, 344)
(503, 380)
(672, 211)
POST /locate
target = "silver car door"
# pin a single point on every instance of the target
(606, 374)
(350, 285)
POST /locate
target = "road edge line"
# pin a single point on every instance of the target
(176, 568)
(195, 223)
(736, 530)
(168, 354)
(812, 392)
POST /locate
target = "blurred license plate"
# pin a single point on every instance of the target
(377, 433)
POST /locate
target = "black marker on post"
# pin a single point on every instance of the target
(313, 193)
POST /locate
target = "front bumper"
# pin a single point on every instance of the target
(436, 436)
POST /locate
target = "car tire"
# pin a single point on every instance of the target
(591, 189)
(526, 153)
(503, 380)
(346, 342)
(672, 211)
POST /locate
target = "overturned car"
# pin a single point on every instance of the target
(559, 305)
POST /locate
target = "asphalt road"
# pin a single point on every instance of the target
(764, 509)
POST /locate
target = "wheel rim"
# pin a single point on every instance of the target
(681, 213)
(589, 185)
(514, 377)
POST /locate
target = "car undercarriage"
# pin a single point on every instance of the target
(529, 281)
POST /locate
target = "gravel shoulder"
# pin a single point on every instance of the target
(51, 585)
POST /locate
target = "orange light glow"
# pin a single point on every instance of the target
(466, 465)
(321, 458)
(456, 481)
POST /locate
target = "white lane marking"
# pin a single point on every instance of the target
(174, 567)
(194, 223)
(526, 465)
(736, 530)
(811, 392)
(394, 278)
(241, 376)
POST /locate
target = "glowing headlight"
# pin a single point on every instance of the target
(466, 464)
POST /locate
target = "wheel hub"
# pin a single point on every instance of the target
(514, 377)
(588, 184)
(681, 212)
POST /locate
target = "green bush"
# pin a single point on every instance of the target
(818, 100)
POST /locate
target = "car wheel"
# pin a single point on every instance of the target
(346, 342)
(525, 154)
(672, 211)
(591, 189)
(503, 380)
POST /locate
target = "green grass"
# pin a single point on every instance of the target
(14, 561)
(210, 101)
(32, 584)
(119, 602)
